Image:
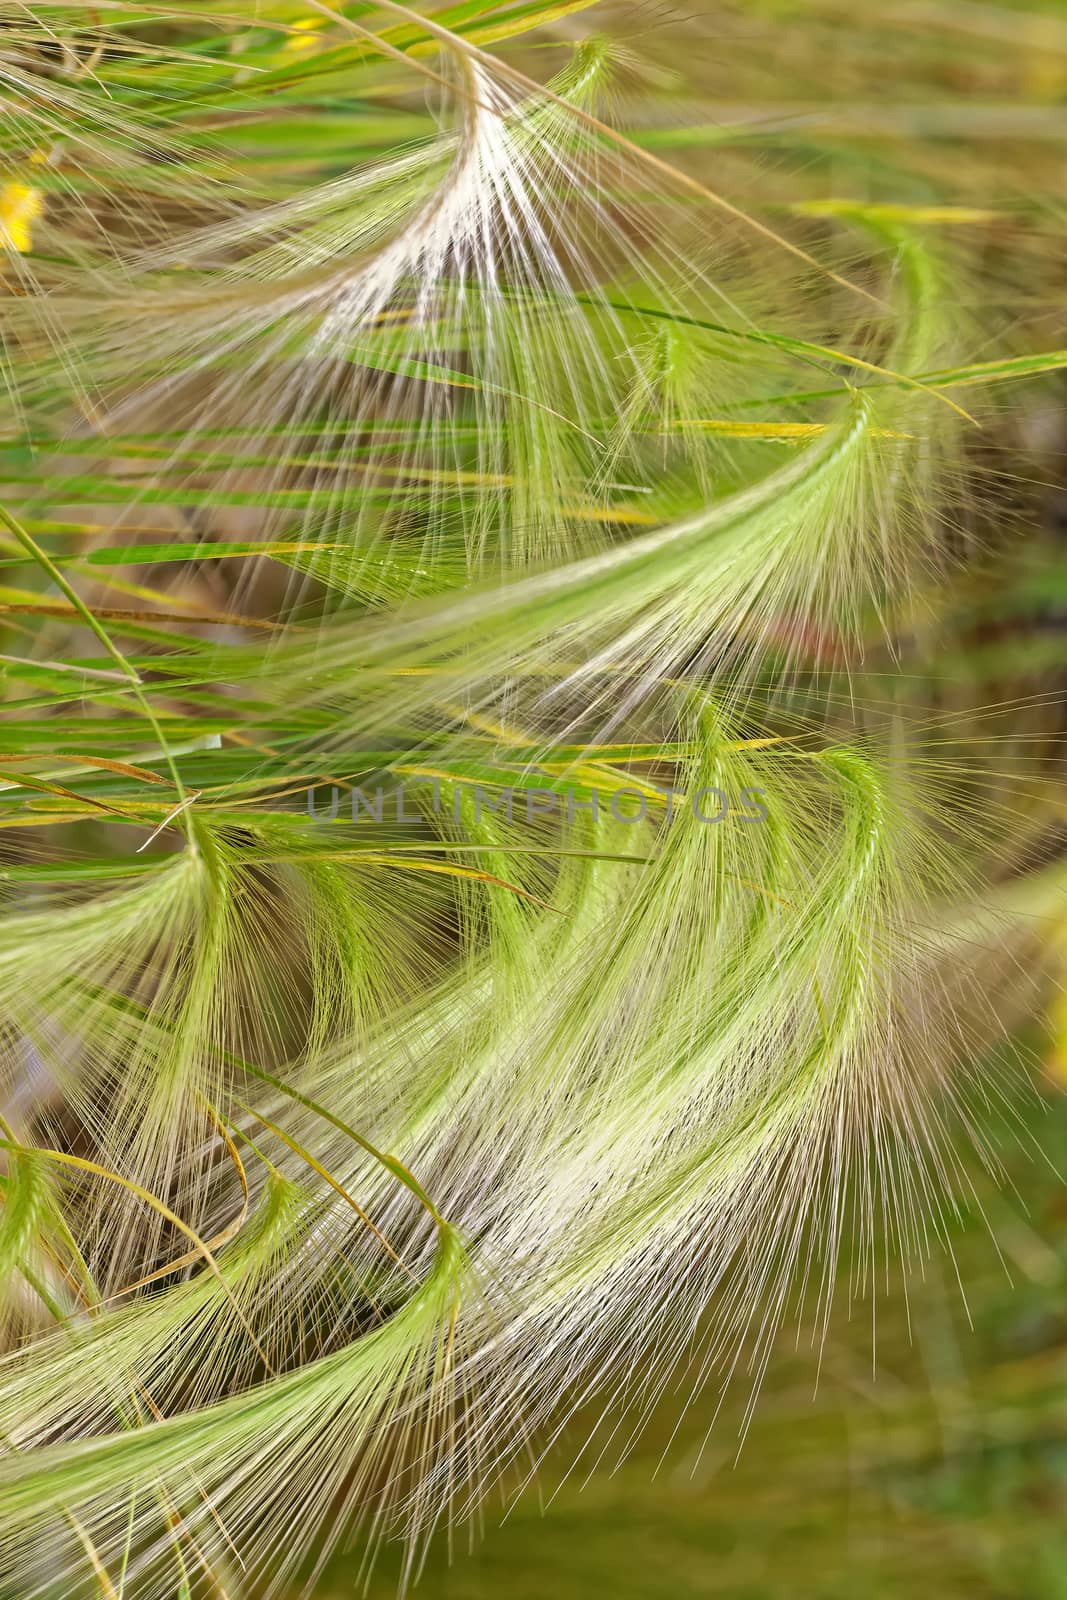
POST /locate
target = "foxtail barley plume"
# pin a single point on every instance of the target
(501, 903)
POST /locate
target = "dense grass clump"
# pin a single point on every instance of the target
(506, 872)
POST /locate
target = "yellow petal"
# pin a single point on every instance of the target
(304, 39)
(20, 206)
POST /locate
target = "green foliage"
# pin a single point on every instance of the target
(422, 506)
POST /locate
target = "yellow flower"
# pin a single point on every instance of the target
(20, 206)
(303, 40)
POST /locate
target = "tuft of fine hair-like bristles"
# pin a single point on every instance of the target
(499, 902)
